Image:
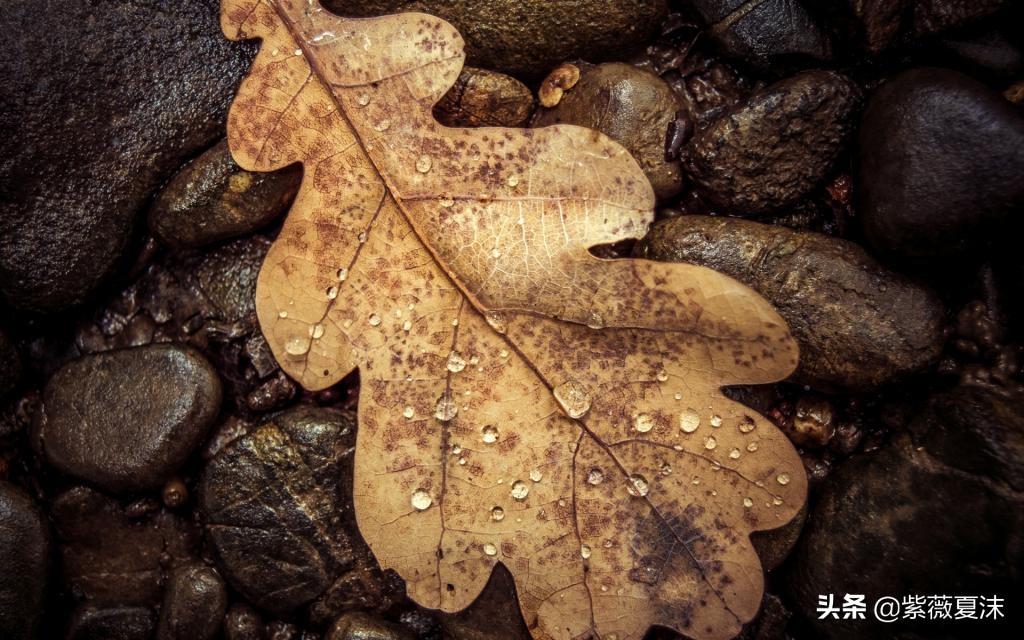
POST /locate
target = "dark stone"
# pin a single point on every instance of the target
(527, 39)
(243, 623)
(213, 199)
(633, 107)
(858, 324)
(763, 33)
(10, 365)
(774, 545)
(495, 612)
(937, 511)
(276, 503)
(482, 98)
(111, 559)
(25, 559)
(103, 101)
(195, 599)
(114, 623)
(770, 151)
(941, 159)
(988, 52)
(360, 626)
(126, 420)
(227, 277)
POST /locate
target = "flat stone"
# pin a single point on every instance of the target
(25, 558)
(125, 420)
(103, 101)
(195, 600)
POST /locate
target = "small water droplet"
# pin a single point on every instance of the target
(734, 453)
(456, 362)
(363, 99)
(495, 253)
(710, 443)
(342, 274)
(520, 490)
(716, 421)
(595, 320)
(296, 346)
(503, 353)
(777, 500)
(497, 514)
(361, 237)
(446, 202)
(689, 421)
(407, 325)
(782, 478)
(585, 551)
(421, 500)
(489, 434)
(747, 424)
(456, 449)
(536, 475)
(637, 485)
(573, 398)
(513, 180)
(409, 412)
(678, 396)
(317, 331)
(332, 292)
(490, 549)
(462, 462)
(424, 163)
(446, 408)
(643, 422)
(662, 375)
(747, 502)
(282, 314)
(496, 320)
(595, 477)
(298, 52)
(374, 320)
(383, 125)
(752, 447)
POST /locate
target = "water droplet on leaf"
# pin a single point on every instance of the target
(573, 398)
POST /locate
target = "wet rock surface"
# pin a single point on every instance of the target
(96, 122)
(949, 487)
(858, 323)
(631, 106)
(526, 39)
(25, 558)
(213, 199)
(195, 600)
(115, 623)
(272, 502)
(776, 147)
(127, 419)
(941, 157)
(359, 626)
(482, 98)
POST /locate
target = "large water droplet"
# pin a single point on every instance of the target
(520, 490)
(689, 420)
(643, 422)
(332, 292)
(595, 477)
(456, 362)
(710, 443)
(716, 421)
(489, 434)
(734, 453)
(637, 485)
(446, 408)
(296, 346)
(421, 500)
(424, 163)
(573, 398)
(317, 331)
(747, 424)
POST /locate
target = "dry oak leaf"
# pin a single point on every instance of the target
(521, 400)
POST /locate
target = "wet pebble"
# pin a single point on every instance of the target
(632, 106)
(25, 558)
(482, 98)
(213, 199)
(497, 602)
(111, 623)
(768, 152)
(94, 124)
(360, 626)
(270, 498)
(763, 32)
(941, 157)
(858, 324)
(112, 557)
(126, 420)
(195, 599)
(526, 39)
(242, 622)
(949, 487)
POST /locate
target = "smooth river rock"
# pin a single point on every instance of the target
(25, 562)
